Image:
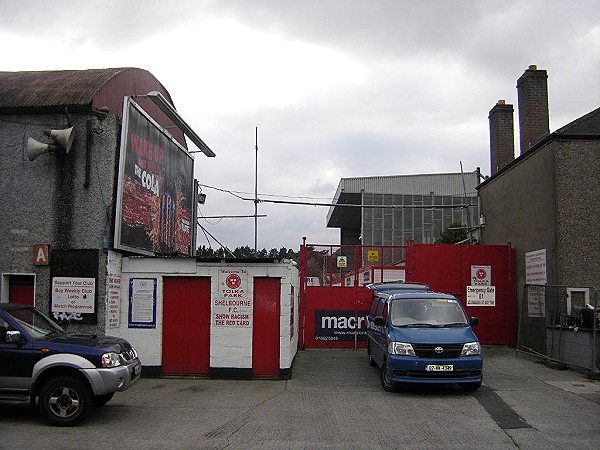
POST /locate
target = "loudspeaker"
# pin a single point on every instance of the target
(64, 138)
(35, 149)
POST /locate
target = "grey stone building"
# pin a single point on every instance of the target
(548, 197)
(546, 203)
(58, 198)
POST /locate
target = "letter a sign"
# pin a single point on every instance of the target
(40, 255)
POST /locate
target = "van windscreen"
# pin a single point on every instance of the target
(430, 312)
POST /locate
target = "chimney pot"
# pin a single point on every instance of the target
(533, 67)
(501, 102)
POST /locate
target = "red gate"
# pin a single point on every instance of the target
(334, 298)
(450, 268)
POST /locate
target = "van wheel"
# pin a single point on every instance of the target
(371, 360)
(387, 384)
(64, 401)
(469, 387)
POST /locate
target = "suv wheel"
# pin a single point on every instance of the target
(64, 401)
(387, 384)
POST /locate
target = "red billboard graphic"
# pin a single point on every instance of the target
(154, 211)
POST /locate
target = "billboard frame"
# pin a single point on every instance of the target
(118, 243)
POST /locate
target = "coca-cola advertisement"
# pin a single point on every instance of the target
(154, 210)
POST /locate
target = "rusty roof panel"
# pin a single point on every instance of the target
(52, 88)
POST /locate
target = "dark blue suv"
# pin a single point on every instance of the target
(423, 337)
(64, 374)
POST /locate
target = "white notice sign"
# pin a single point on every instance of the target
(535, 267)
(481, 275)
(481, 295)
(73, 295)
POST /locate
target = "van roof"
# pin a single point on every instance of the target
(418, 295)
(398, 286)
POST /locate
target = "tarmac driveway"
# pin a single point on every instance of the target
(334, 401)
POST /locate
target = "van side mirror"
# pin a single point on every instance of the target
(379, 321)
(13, 337)
(474, 321)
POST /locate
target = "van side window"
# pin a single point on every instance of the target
(380, 307)
(374, 304)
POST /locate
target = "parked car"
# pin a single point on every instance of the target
(63, 374)
(423, 337)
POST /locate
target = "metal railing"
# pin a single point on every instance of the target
(559, 324)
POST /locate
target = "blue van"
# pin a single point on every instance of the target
(422, 337)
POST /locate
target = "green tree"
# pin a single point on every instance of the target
(246, 252)
(456, 232)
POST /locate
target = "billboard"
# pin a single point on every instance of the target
(155, 197)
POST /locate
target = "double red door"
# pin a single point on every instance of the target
(186, 326)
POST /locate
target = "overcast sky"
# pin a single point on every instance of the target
(337, 88)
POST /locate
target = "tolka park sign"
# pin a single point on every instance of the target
(232, 308)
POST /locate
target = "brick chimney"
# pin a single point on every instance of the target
(502, 136)
(534, 118)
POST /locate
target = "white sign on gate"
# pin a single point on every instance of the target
(481, 295)
(481, 275)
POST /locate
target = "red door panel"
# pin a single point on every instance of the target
(265, 327)
(21, 289)
(186, 326)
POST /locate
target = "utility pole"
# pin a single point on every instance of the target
(256, 193)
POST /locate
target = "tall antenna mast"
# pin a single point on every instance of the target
(256, 193)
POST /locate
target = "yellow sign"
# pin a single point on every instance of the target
(373, 255)
(342, 261)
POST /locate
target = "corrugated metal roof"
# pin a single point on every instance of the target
(83, 90)
(52, 88)
(421, 184)
(445, 184)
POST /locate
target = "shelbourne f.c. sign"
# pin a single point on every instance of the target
(155, 197)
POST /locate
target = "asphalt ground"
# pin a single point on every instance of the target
(334, 401)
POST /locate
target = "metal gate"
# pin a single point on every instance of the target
(334, 298)
(560, 324)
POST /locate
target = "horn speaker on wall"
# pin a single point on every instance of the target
(61, 140)
(64, 138)
(36, 148)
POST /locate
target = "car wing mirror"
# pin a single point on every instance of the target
(379, 321)
(474, 321)
(13, 336)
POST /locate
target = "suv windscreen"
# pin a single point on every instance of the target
(431, 312)
(37, 325)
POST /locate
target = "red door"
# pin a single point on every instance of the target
(21, 289)
(186, 326)
(265, 327)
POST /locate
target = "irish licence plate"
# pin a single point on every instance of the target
(439, 368)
